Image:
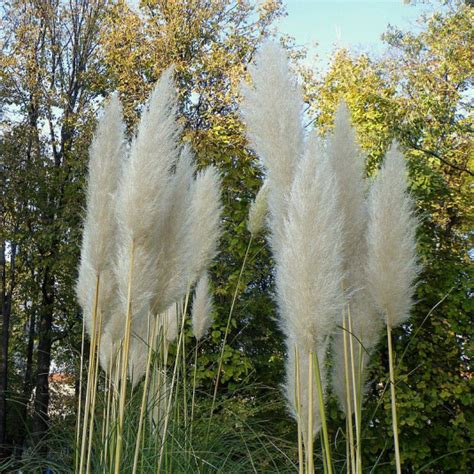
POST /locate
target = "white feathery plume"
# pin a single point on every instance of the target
(309, 270)
(173, 245)
(202, 307)
(100, 228)
(272, 109)
(205, 229)
(392, 263)
(141, 202)
(258, 211)
(169, 321)
(348, 163)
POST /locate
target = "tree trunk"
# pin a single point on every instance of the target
(40, 416)
(27, 380)
(6, 305)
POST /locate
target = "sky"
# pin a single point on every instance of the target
(354, 24)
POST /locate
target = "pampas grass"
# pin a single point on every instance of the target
(304, 230)
(309, 278)
(202, 308)
(174, 247)
(205, 228)
(96, 285)
(392, 264)
(340, 259)
(153, 225)
(360, 327)
(258, 211)
(141, 201)
(272, 109)
(99, 242)
(345, 265)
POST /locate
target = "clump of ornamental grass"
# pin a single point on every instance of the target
(392, 265)
(97, 284)
(308, 271)
(150, 232)
(345, 262)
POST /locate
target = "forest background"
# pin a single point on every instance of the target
(61, 59)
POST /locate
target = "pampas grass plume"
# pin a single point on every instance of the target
(174, 247)
(272, 109)
(309, 272)
(392, 264)
(100, 229)
(202, 307)
(258, 211)
(141, 200)
(348, 163)
(205, 227)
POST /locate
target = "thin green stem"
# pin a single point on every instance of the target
(94, 391)
(298, 413)
(124, 363)
(309, 434)
(350, 428)
(229, 319)
(79, 407)
(393, 400)
(194, 386)
(144, 395)
(354, 394)
(322, 414)
(90, 374)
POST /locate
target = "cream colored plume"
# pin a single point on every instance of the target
(392, 264)
(100, 228)
(272, 110)
(309, 273)
(170, 321)
(348, 163)
(309, 270)
(141, 203)
(175, 245)
(205, 228)
(258, 211)
(202, 307)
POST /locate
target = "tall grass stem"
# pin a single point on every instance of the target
(229, 319)
(322, 411)
(298, 413)
(309, 447)
(350, 435)
(393, 400)
(89, 375)
(124, 364)
(79, 405)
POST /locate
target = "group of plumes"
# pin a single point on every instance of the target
(150, 231)
(341, 245)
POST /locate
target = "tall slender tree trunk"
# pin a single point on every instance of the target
(8, 285)
(40, 416)
(3, 354)
(27, 380)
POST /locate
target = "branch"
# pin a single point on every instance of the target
(440, 158)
